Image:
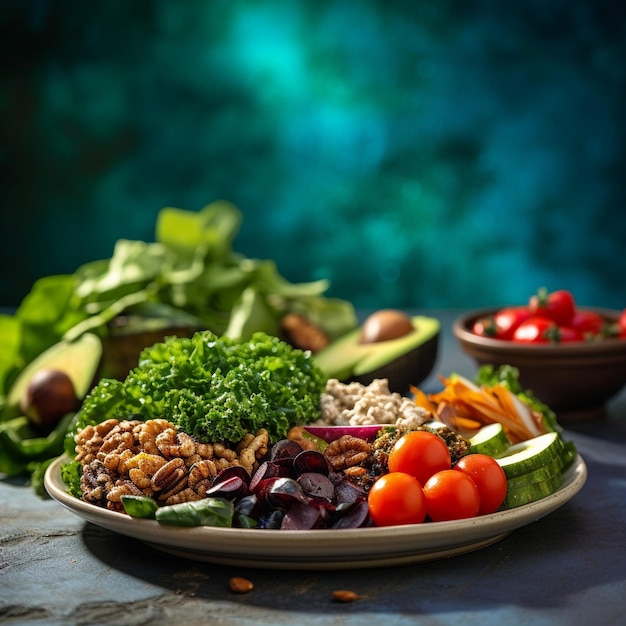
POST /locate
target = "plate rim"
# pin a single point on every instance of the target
(314, 549)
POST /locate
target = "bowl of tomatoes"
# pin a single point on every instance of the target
(572, 358)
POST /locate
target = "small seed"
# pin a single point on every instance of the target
(345, 595)
(240, 585)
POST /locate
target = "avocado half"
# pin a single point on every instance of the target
(404, 361)
(79, 359)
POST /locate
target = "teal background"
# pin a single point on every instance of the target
(451, 153)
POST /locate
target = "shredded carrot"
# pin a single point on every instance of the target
(464, 423)
(478, 406)
(422, 400)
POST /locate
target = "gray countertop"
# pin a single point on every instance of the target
(569, 567)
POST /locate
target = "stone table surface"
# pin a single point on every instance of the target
(567, 568)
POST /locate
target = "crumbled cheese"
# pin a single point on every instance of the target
(354, 404)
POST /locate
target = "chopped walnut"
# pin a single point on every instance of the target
(155, 459)
(186, 495)
(95, 483)
(171, 444)
(201, 475)
(302, 437)
(347, 451)
(149, 432)
(91, 439)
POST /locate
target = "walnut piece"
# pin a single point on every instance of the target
(347, 451)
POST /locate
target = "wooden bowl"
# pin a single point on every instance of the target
(575, 380)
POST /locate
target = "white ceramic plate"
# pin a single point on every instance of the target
(322, 549)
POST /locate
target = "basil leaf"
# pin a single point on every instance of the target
(205, 512)
(140, 506)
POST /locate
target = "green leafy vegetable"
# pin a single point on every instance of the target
(217, 389)
(21, 446)
(140, 506)
(205, 512)
(189, 277)
(71, 474)
(190, 272)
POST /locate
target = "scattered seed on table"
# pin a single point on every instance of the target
(240, 585)
(345, 595)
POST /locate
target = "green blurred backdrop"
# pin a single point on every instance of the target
(449, 153)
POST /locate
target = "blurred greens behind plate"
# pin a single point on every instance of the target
(189, 278)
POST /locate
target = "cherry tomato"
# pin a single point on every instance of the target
(566, 334)
(535, 330)
(419, 453)
(508, 319)
(396, 498)
(558, 306)
(488, 476)
(543, 330)
(588, 323)
(451, 495)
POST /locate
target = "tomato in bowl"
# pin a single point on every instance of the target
(575, 376)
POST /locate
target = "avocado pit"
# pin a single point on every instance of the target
(384, 325)
(49, 396)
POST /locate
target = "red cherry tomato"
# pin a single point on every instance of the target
(419, 453)
(588, 323)
(558, 306)
(535, 330)
(451, 495)
(396, 498)
(566, 334)
(488, 476)
(508, 319)
(544, 330)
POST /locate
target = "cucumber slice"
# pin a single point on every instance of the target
(491, 440)
(532, 492)
(549, 470)
(526, 456)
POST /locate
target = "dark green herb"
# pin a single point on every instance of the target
(140, 506)
(205, 512)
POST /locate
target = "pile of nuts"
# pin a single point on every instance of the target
(153, 458)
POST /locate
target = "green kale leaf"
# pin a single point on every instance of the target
(216, 389)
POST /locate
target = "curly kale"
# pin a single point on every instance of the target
(217, 389)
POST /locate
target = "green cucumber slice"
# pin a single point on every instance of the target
(526, 456)
(549, 470)
(491, 440)
(532, 492)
